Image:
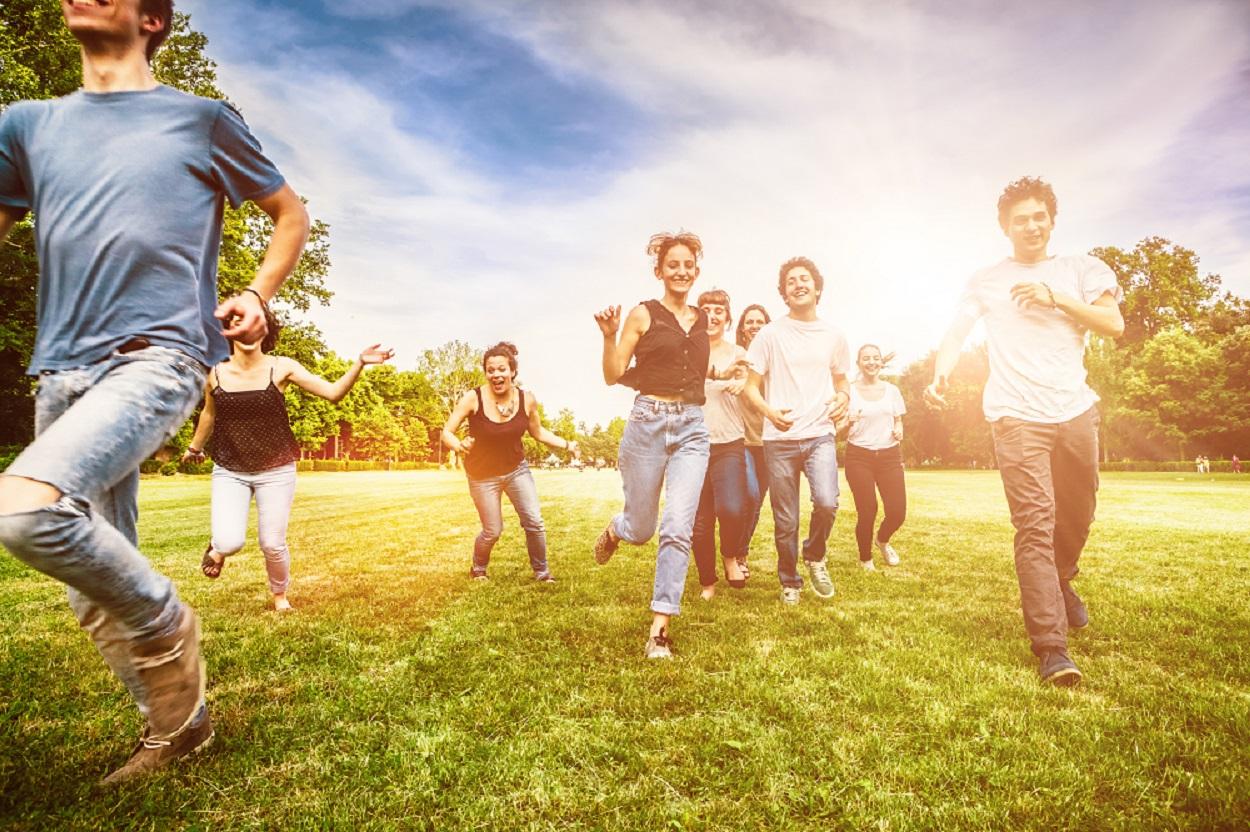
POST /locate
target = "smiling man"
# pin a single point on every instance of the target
(127, 179)
(1037, 309)
(798, 366)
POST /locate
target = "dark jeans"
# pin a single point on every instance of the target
(868, 472)
(817, 459)
(724, 498)
(757, 489)
(1050, 476)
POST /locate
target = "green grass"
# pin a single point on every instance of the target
(402, 695)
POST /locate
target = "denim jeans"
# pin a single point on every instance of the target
(817, 458)
(725, 500)
(275, 492)
(665, 445)
(93, 426)
(757, 490)
(487, 493)
(1050, 476)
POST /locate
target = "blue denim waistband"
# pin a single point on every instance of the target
(661, 406)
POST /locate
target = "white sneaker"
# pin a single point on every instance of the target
(659, 647)
(868, 566)
(790, 595)
(887, 551)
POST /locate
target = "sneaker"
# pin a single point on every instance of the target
(887, 551)
(821, 583)
(1057, 669)
(790, 595)
(746, 570)
(605, 546)
(478, 574)
(171, 672)
(544, 578)
(151, 754)
(1078, 615)
(660, 647)
(868, 566)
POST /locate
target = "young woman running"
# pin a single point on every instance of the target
(665, 439)
(245, 429)
(874, 457)
(499, 414)
(724, 495)
(749, 324)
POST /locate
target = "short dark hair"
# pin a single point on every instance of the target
(806, 263)
(504, 349)
(1026, 187)
(270, 340)
(164, 9)
(717, 296)
(659, 244)
(741, 331)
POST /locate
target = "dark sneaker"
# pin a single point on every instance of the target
(660, 647)
(1078, 615)
(605, 546)
(790, 595)
(172, 673)
(1057, 669)
(822, 584)
(152, 754)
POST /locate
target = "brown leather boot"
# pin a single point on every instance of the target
(172, 673)
(152, 754)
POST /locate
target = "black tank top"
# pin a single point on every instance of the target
(497, 448)
(668, 361)
(251, 430)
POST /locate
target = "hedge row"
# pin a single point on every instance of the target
(155, 466)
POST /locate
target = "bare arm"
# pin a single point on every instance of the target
(617, 354)
(1102, 316)
(544, 435)
(780, 418)
(243, 314)
(947, 358)
(334, 391)
(841, 398)
(462, 410)
(203, 427)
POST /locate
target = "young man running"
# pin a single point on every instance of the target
(802, 362)
(127, 179)
(1037, 309)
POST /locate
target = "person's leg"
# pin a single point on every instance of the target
(642, 459)
(820, 464)
(703, 541)
(689, 446)
(785, 461)
(523, 494)
(1023, 450)
(231, 496)
(755, 495)
(888, 472)
(859, 477)
(1074, 466)
(487, 498)
(275, 493)
(727, 469)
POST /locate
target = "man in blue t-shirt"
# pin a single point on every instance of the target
(127, 179)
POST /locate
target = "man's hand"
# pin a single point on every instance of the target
(935, 393)
(838, 406)
(897, 434)
(244, 318)
(609, 321)
(1033, 294)
(780, 418)
(735, 387)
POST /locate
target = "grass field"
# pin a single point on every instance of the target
(402, 695)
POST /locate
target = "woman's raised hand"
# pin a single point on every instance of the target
(609, 320)
(375, 355)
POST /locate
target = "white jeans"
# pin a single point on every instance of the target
(232, 495)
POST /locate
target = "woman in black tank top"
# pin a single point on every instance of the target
(499, 413)
(245, 429)
(665, 445)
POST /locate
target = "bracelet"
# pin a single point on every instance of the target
(264, 303)
(1050, 292)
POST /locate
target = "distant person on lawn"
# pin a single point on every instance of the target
(1037, 309)
(245, 429)
(127, 179)
(499, 413)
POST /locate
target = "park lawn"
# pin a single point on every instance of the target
(402, 695)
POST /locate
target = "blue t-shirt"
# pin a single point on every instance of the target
(127, 190)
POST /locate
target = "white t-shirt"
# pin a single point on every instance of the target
(797, 360)
(1037, 356)
(722, 412)
(872, 423)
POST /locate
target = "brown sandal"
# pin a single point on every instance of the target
(211, 568)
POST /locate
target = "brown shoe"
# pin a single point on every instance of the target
(605, 546)
(152, 754)
(171, 671)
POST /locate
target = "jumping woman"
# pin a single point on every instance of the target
(245, 429)
(665, 440)
(499, 414)
(874, 457)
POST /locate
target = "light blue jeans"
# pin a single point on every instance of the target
(664, 443)
(487, 494)
(274, 491)
(817, 458)
(93, 426)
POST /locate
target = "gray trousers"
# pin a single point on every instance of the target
(1050, 476)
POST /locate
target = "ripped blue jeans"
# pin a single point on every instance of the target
(93, 426)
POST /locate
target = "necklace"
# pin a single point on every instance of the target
(505, 410)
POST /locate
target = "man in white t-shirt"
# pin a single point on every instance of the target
(1037, 309)
(798, 366)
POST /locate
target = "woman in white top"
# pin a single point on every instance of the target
(725, 497)
(874, 458)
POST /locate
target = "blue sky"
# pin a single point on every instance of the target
(492, 170)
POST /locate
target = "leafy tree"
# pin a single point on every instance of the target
(1162, 287)
(957, 435)
(450, 370)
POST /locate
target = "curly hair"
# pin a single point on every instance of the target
(503, 349)
(1027, 187)
(741, 331)
(659, 244)
(270, 340)
(806, 263)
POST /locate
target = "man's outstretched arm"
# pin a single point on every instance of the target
(948, 357)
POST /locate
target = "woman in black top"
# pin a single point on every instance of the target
(245, 429)
(499, 414)
(665, 440)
